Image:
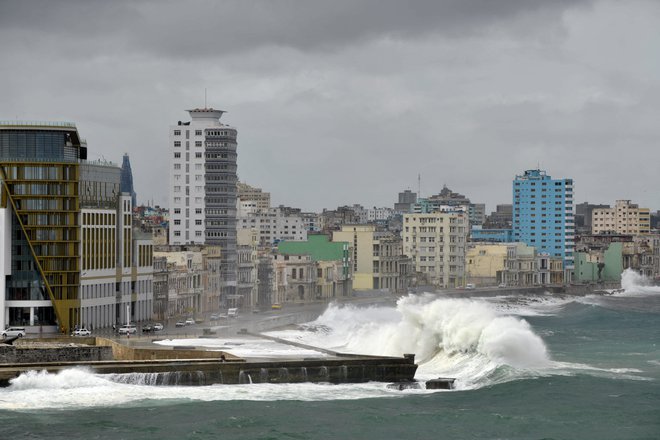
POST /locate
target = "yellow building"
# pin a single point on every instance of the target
(377, 258)
(485, 264)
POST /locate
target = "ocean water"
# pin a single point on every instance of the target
(538, 367)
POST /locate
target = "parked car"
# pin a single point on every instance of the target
(147, 328)
(190, 321)
(276, 306)
(502, 285)
(127, 329)
(13, 331)
(180, 324)
(82, 332)
(232, 313)
(469, 286)
(158, 327)
(214, 317)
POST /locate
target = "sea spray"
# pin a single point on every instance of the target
(466, 338)
(634, 283)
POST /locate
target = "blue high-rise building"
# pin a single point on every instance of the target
(543, 215)
(127, 179)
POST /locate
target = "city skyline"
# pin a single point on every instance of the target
(451, 91)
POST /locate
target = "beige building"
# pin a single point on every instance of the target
(524, 267)
(485, 264)
(254, 197)
(436, 244)
(246, 288)
(377, 258)
(624, 218)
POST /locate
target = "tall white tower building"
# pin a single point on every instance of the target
(203, 188)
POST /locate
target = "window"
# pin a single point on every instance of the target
(177, 155)
(198, 210)
(198, 132)
(198, 155)
(198, 233)
(198, 143)
(198, 222)
(177, 233)
(177, 222)
(177, 189)
(177, 210)
(177, 166)
(177, 132)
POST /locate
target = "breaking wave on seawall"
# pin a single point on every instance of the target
(634, 284)
(462, 338)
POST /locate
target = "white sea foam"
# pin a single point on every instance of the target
(248, 347)
(634, 284)
(80, 388)
(463, 338)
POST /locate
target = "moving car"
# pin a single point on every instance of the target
(127, 329)
(82, 332)
(158, 326)
(232, 313)
(147, 328)
(469, 286)
(190, 321)
(180, 324)
(276, 306)
(502, 285)
(13, 331)
(214, 317)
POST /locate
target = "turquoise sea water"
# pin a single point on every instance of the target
(528, 368)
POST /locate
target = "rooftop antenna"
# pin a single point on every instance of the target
(205, 98)
(419, 186)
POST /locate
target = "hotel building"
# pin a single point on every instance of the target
(66, 258)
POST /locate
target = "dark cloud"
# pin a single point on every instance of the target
(209, 28)
(348, 101)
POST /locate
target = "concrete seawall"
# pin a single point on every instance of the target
(198, 367)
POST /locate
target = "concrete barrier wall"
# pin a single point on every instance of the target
(36, 355)
(125, 353)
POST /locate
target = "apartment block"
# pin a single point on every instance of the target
(624, 218)
(543, 215)
(274, 225)
(436, 243)
(377, 258)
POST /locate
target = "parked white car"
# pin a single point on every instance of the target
(82, 332)
(13, 331)
(127, 329)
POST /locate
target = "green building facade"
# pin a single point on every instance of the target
(605, 267)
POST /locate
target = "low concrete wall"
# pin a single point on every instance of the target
(125, 353)
(26, 354)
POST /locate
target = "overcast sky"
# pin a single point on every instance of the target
(347, 101)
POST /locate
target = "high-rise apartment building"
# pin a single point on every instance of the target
(543, 215)
(203, 188)
(624, 218)
(436, 244)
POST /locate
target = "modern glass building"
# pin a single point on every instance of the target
(127, 179)
(543, 215)
(39, 223)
